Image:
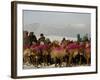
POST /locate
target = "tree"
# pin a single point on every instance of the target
(85, 37)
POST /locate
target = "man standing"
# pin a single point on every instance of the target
(42, 38)
(32, 38)
(26, 41)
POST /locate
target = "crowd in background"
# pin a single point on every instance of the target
(30, 39)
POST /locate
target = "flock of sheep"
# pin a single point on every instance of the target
(66, 53)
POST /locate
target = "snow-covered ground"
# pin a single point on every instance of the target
(30, 66)
(39, 66)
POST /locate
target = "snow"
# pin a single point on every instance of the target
(31, 66)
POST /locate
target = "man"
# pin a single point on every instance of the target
(32, 38)
(42, 38)
(25, 39)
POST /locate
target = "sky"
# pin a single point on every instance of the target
(63, 24)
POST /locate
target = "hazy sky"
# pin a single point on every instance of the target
(56, 23)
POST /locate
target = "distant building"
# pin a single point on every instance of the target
(78, 38)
